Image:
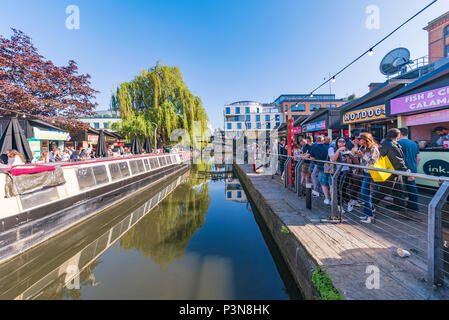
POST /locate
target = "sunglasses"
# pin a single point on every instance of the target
(341, 141)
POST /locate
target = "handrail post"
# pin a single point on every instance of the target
(335, 191)
(435, 235)
(286, 175)
(298, 176)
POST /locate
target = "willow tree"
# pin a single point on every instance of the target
(158, 96)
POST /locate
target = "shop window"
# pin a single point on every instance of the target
(85, 178)
(140, 165)
(37, 198)
(100, 174)
(115, 172)
(124, 169)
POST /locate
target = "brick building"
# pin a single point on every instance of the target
(438, 30)
(296, 105)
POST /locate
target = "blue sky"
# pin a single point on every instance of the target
(227, 50)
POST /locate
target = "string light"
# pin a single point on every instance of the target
(370, 52)
(333, 80)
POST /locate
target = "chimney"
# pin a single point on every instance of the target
(373, 85)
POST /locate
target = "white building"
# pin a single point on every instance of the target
(234, 191)
(103, 119)
(243, 117)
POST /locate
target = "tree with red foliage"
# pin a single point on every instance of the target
(33, 85)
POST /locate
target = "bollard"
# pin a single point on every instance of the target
(309, 196)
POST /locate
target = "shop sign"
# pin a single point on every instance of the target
(367, 114)
(427, 118)
(316, 126)
(119, 144)
(436, 167)
(296, 130)
(421, 101)
(92, 139)
(50, 135)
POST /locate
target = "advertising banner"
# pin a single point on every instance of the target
(316, 126)
(421, 101)
(367, 114)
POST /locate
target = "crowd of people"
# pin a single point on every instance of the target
(13, 157)
(356, 187)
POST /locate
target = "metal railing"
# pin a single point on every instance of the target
(417, 219)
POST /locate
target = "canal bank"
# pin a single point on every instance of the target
(351, 255)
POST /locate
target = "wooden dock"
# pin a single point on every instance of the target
(346, 250)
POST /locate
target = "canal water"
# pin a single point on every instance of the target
(194, 237)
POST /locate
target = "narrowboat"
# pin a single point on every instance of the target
(40, 201)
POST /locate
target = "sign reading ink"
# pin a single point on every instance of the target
(436, 168)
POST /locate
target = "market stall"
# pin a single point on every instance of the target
(369, 112)
(323, 122)
(422, 107)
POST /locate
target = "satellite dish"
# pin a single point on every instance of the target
(394, 61)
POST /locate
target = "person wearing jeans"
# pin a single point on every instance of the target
(369, 154)
(412, 159)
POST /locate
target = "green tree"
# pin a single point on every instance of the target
(159, 96)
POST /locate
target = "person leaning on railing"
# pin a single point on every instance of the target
(369, 154)
(393, 185)
(356, 176)
(338, 152)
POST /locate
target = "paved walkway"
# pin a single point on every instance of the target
(346, 249)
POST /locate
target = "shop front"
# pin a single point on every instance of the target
(372, 119)
(422, 107)
(368, 113)
(46, 137)
(324, 122)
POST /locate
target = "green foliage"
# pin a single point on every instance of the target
(323, 282)
(285, 229)
(352, 97)
(157, 95)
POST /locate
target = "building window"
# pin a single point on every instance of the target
(229, 194)
(105, 125)
(247, 110)
(239, 126)
(248, 126)
(97, 125)
(236, 118)
(278, 124)
(229, 126)
(248, 118)
(258, 117)
(331, 105)
(239, 194)
(228, 110)
(314, 107)
(447, 50)
(298, 108)
(446, 30)
(267, 117)
(268, 125)
(277, 118)
(258, 125)
(237, 110)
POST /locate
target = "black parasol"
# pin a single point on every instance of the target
(101, 152)
(147, 145)
(136, 147)
(14, 138)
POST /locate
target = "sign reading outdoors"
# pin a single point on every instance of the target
(367, 114)
(315, 126)
(421, 101)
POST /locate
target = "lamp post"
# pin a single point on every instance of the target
(155, 141)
